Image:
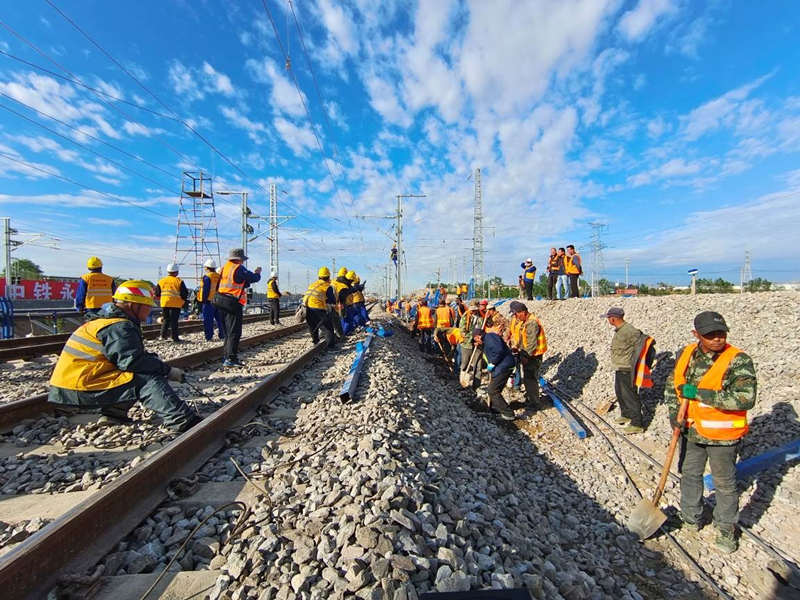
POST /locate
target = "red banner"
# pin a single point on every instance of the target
(28, 289)
(627, 292)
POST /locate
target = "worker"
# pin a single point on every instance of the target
(455, 338)
(442, 292)
(104, 365)
(351, 317)
(719, 381)
(623, 346)
(319, 301)
(555, 264)
(341, 289)
(424, 324)
(500, 364)
(460, 308)
(445, 318)
(359, 302)
(500, 322)
(94, 288)
(274, 299)
(529, 277)
(529, 342)
(172, 294)
(231, 298)
(205, 296)
(573, 269)
(471, 319)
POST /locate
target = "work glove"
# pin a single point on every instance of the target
(688, 391)
(490, 367)
(673, 420)
(176, 374)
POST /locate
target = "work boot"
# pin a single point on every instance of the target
(193, 420)
(631, 429)
(689, 525)
(620, 420)
(726, 541)
(113, 415)
(507, 414)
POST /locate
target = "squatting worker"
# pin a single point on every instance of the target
(529, 343)
(104, 364)
(95, 288)
(574, 269)
(623, 344)
(318, 300)
(274, 299)
(208, 289)
(500, 364)
(172, 294)
(719, 380)
(231, 299)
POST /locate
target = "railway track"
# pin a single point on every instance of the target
(80, 537)
(41, 345)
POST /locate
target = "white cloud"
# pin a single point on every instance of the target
(194, 83)
(219, 82)
(335, 115)
(383, 98)
(109, 222)
(672, 169)
(299, 139)
(341, 39)
(134, 128)
(635, 23)
(284, 98)
(656, 127)
(254, 129)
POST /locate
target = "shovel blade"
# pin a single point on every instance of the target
(605, 407)
(646, 519)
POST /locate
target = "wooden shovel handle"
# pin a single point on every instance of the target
(676, 433)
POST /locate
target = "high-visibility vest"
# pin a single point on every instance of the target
(213, 279)
(530, 273)
(519, 333)
(170, 292)
(569, 265)
(711, 422)
(424, 317)
(358, 297)
(83, 366)
(315, 296)
(338, 286)
(642, 374)
(98, 289)
(552, 263)
(444, 317)
(227, 284)
(455, 336)
(272, 292)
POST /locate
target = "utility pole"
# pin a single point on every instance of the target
(247, 214)
(399, 235)
(598, 264)
(477, 233)
(333, 260)
(746, 272)
(627, 265)
(7, 245)
(693, 287)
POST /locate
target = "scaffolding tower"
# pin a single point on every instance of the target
(477, 234)
(197, 237)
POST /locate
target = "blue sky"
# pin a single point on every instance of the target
(675, 123)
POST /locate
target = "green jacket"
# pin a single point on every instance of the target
(622, 346)
(123, 346)
(738, 389)
(469, 321)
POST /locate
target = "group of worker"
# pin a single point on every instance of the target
(564, 269)
(335, 308)
(104, 364)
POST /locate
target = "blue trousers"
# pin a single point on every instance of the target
(362, 313)
(210, 315)
(349, 321)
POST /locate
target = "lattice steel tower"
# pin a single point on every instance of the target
(273, 228)
(477, 234)
(598, 262)
(197, 238)
(746, 272)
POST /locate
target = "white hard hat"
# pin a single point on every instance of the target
(210, 263)
(530, 260)
(273, 274)
(172, 268)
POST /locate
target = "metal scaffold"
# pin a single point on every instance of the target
(197, 237)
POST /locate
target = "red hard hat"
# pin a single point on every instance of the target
(484, 302)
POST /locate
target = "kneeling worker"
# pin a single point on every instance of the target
(104, 364)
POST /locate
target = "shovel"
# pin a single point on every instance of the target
(467, 376)
(647, 518)
(605, 406)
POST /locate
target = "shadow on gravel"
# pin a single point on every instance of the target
(508, 516)
(652, 397)
(575, 371)
(780, 427)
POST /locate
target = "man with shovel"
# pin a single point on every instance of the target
(622, 346)
(719, 381)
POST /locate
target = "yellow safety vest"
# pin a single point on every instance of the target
(569, 266)
(271, 291)
(83, 366)
(213, 278)
(358, 297)
(228, 286)
(98, 289)
(171, 292)
(519, 333)
(315, 296)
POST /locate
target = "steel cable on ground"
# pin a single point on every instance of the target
(177, 118)
(79, 184)
(120, 166)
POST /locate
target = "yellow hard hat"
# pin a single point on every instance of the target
(136, 291)
(351, 275)
(356, 278)
(323, 272)
(94, 263)
(342, 272)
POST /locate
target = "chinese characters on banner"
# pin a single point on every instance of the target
(28, 289)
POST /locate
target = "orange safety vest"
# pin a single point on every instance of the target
(569, 266)
(642, 375)
(98, 289)
(455, 336)
(170, 292)
(711, 422)
(228, 286)
(424, 317)
(444, 317)
(213, 278)
(82, 365)
(519, 333)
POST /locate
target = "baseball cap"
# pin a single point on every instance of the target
(516, 307)
(709, 321)
(484, 302)
(614, 311)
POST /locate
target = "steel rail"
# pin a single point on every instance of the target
(77, 540)
(27, 408)
(40, 345)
